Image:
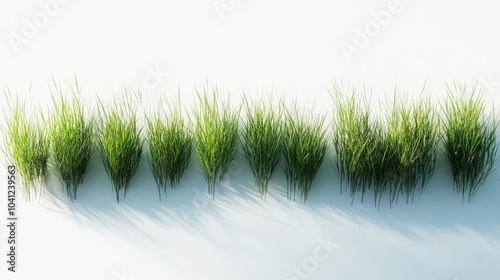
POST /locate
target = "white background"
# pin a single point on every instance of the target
(294, 48)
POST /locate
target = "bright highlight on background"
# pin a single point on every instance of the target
(294, 49)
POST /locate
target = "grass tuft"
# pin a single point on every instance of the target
(71, 142)
(216, 136)
(29, 149)
(399, 157)
(413, 139)
(304, 147)
(262, 142)
(119, 144)
(358, 144)
(170, 147)
(469, 139)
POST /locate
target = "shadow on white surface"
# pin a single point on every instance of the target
(240, 230)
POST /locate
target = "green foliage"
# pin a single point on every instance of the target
(216, 136)
(358, 144)
(170, 147)
(413, 139)
(399, 157)
(71, 138)
(394, 154)
(119, 144)
(304, 147)
(262, 142)
(469, 139)
(29, 150)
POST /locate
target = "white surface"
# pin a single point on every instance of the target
(292, 47)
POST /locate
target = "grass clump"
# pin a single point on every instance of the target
(398, 155)
(359, 146)
(262, 142)
(71, 138)
(304, 147)
(216, 136)
(469, 139)
(170, 147)
(412, 143)
(119, 144)
(29, 149)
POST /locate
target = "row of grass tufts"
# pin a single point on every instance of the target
(357, 144)
(399, 157)
(394, 154)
